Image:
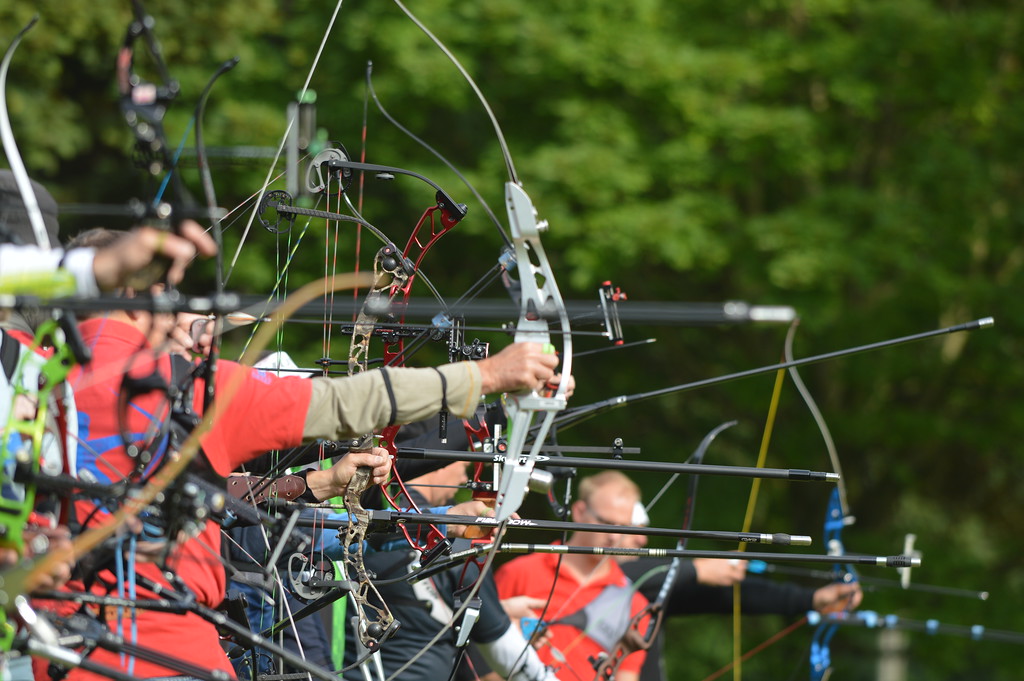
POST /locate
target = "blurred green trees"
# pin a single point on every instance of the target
(857, 160)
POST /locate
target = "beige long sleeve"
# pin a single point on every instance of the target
(350, 406)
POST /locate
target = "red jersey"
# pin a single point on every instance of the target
(584, 619)
(264, 413)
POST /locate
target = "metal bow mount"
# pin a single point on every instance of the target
(538, 294)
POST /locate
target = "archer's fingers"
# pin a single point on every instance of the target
(200, 332)
(534, 603)
(377, 459)
(179, 342)
(199, 237)
(570, 386)
(544, 370)
(475, 507)
(180, 250)
(850, 594)
(518, 607)
(520, 366)
(382, 471)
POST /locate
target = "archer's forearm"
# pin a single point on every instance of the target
(347, 407)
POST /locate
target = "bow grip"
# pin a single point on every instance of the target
(359, 483)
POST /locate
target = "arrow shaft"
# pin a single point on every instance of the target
(412, 518)
(798, 474)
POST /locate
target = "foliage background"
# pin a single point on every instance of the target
(858, 160)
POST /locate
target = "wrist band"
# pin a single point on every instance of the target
(307, 494)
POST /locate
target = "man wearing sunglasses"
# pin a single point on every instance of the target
(591, 601)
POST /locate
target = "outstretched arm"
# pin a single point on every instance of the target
(345, 407)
